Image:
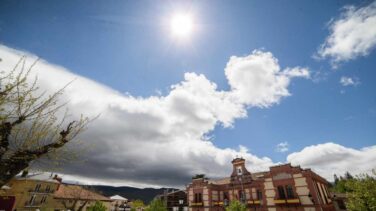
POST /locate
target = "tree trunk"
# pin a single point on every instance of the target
(82, 206)
(9, 169)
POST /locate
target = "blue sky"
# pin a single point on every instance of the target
(127, 45)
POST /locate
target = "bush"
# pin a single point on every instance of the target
(236, 206)
(98, 206)
(156, 205)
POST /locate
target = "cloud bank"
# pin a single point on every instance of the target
(353, 34)
(331, 158)
(162, 140)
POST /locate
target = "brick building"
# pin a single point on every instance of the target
(282, 188)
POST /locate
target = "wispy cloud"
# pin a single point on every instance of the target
(349, 81)
(282, 147)
(353, 34)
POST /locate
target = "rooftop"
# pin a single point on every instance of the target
(77, 192)
(46, 177)
(117, 197)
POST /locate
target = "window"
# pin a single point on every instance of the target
(239, 169)
(37, 187)
(198, 197)
(281, 192)
(241, 196)
(225, 198)
(290, 192)
(32, 199)
(319, 193)
(48, 188)
(225, 195)
(44, 198)
(259, 194)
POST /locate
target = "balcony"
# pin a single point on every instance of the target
(218, 203)
(196, 204)
(27, 204)
(283, 202)
(254, 202)
(46, 191)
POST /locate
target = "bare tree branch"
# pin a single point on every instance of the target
(31, 125)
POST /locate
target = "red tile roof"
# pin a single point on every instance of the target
(78, 192)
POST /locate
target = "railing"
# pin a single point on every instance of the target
(286, 201)
(27, 204)
(218, 203)
(196, 204)
(254, 202)
(41, 191)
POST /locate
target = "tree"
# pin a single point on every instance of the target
(348, 175)
(98, 206)
(235, 205)
(156, 205)
(336, 179)
(361, 193)
(198, 176)
(137, 204)
(32, 125)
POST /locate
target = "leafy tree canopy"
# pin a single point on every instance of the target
(98, 206)
(360, 190)
(236, 206)
(138, 203)
(156, 205)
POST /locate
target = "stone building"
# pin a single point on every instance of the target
(41, 191)
(30, 192)
(282, 188)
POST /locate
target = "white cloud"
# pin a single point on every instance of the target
(257, 79)
(352, 35)
(162, 140)
(349, 81)
(282, 147)
(330, 158)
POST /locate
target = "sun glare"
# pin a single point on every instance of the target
(181, 25)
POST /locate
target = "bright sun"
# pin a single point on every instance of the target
(181, 25)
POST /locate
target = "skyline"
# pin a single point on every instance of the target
(232, 89)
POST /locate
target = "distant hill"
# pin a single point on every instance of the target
(131, 193)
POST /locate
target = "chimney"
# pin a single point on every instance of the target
(24, 173)
(59, 179)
